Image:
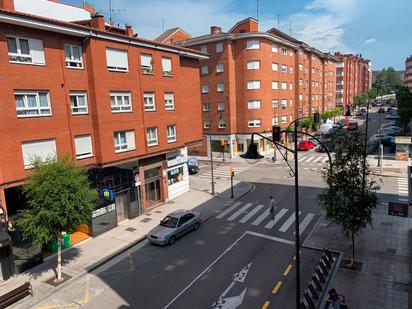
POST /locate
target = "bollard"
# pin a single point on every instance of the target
(309, 300)
(320, 276)
(312, 291)
(316, 283)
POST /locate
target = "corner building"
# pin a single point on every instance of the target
(408, 73)
(253, 80)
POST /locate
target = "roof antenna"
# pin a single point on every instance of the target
(257, 10)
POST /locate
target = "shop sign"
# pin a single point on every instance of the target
(176, 158)
(398, 209)
(174, 171)
(104, 210)
(402, 140)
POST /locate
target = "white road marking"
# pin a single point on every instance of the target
(239, 212)
(301, 159)
(281, 240)
(309, 159)
(225, 212)
(317, 159)
(261, 217)
(251, 214)
(288, 222)
(401, 199)
(278, 216)
(305, 222)
(230, 302)
(325, 160)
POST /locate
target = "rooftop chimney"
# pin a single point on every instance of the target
(7, 5)
(215, 30)
(97, 21)
(129, 30)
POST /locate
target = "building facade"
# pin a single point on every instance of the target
(353, 77)
(254, 80)
(124, 108)
(408, 73)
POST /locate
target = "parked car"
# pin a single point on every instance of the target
(193, 169)
(391, 127)
(385, 139)
(392, 116)
(358, 113)
(328, 144)
(352, 126)
(381, 110)
(305, 145)
(363, 110)
(389, 123)
(174, 226)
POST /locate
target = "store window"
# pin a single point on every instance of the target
(175, 175)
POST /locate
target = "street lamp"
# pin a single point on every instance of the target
(211, 150)
(252, 153)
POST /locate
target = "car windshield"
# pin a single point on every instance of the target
(169, 221)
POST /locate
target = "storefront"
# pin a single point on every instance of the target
(177, 173)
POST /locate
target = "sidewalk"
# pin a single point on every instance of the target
(93, 252)
(390, 166)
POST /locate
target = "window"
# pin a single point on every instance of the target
(204, 70)
(124, 141)
(291, 102)
(220, 67)
(291, 69)
(313, 84)
(78, 103)
(275, 85)
(152, 137)
(300, 97)
(275, 103)
(83, 145)
(117, 60)
(284, 51)
(171, 133)
(146, 63)
(253, 104)
(317, 84)
(219, 47)
(275, 66)
(253, 65)
(300, 82)
(149, 101)
(42, 150)
(206, 124)
(274, 48)
(222, 124)
(300, 67)
(221, 106)
(284, 86)
(73, 56)
(203, 49)
(169, 101)
(275, 121)
(290, 86)
(120, 102)
(32, 103)
(290, 118)
(205, 88)
(25, 50)
(284, 103)
(313, 70)
(167, 66)
(252, 44)
(253, 84)
(206, 107)
(175, 175)
(284, 68)
(220, 87)
(255, 123)
(284, 119)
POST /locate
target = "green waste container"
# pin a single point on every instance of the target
(52, 246)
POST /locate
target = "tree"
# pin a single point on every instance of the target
(307, 123)
(350, 196)
(387, 82)
(59, 200)
(361, 100)
(404, 98)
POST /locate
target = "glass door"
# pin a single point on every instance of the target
(121, 202)
(153, 194)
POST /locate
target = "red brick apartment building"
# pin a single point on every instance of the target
(353, 77)
(125, 108)
(254, 80)
(408, 73)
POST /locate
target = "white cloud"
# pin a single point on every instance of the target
(370, 41)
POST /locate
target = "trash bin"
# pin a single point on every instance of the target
(66, 241)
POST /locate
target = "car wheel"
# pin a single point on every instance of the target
(172, 240)
(196, 226)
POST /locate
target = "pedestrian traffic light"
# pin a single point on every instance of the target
(316, 117)
(222, 142)
(232, 171)
(276, 132)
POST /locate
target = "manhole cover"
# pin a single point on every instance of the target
(384, 223)
(146, 220)
(131, 229)
(390, 250)
(400, 286)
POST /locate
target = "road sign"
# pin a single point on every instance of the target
(397, 209)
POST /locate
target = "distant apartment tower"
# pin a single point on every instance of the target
(353, 77)
(408, 73)
(254, 80)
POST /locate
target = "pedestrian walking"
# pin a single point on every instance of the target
(333, 300)
(272, 206)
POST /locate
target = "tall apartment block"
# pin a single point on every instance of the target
(124, 108)
(408, 73)
(353, 77)
(254, 80)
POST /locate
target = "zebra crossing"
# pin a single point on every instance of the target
(283, 220)
(222, 172)
(307, 159)
(403, 190)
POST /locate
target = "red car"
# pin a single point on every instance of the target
(352, 126)
(305, 145)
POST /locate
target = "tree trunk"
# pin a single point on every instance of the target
(59, 258)
(353, 249)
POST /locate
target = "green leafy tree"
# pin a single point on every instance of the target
(350, 196)
(59, 199)
(307, 123)
(387, 82)
(404, 98)
(361, 100)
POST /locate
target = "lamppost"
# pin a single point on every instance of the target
(211, 150)
(252, 153)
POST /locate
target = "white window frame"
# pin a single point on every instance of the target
(252, 44)
(219, 47)
(169, 99)
(290, 102)
(34, 57)
(171, 138)
(167, 66)
(254, 123)
(275, 103)
(275, 85)
(284, 119)
(290, 118)
(300, 82)
(284, 68)
(290, 86)
(152, 141)
(71, 62)
(284, 51)
(45, 153)
(205, 88)
(284, 86)
(206, 124)
(300, 67)
(275, 120)
(117, 68)
(253, 84)
(149, 105)
(146, 68)
(128, 145)
(73, 107)
(220, 87)
(206, 109)
(221, 106)
(204, 70)
(274, 48)
(222, 124)
(253, 65)
(203, 48)
(291, 69)
(220, 68)
(86, 138)
(275, 67)
(37, 108)
(300, 97)
(118, 103)
(284, 103)
(253, 104)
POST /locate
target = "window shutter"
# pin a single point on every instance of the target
(37, 51)
(167, 64)
(117, 59)
(131, 144)
(146, 60)
(83, 145)
(38, 149)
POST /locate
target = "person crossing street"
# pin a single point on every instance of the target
(272, 206)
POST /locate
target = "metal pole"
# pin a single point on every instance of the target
(231, 185)
(211, 164)
(364, 150)
(297, 234)
(380, 139)
(223, 152)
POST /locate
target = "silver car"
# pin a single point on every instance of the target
(173, 226)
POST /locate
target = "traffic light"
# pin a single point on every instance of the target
(232, 171)
(316, 117)
(222, 142)
(276, 132)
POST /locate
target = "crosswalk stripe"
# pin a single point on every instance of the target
(403, 191)
(288, 222)
(305, 222)
(251, 213)
(261, 217)
(325, 160)
(224, 213)
(278, 216)
(403, 199)
(317, 159)
(309, 159)
(239, 212)
(301, 159)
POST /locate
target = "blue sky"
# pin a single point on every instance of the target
(380, 30)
